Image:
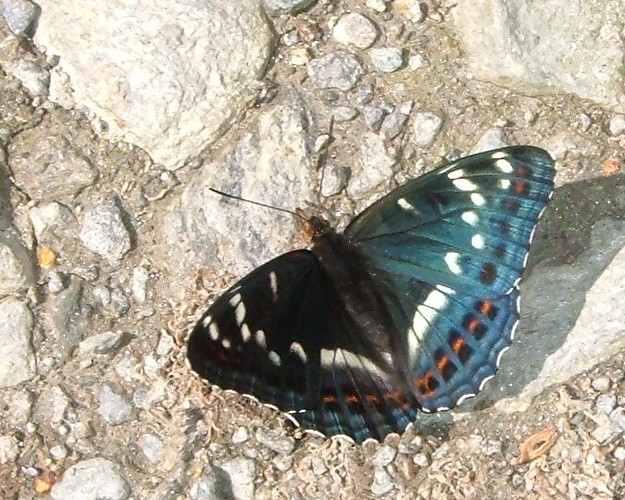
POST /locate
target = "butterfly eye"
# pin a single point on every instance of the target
(410, 309)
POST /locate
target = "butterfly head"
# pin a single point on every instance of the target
(313, 225)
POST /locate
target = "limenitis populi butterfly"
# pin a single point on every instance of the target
(409, 309)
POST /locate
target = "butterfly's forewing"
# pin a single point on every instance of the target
(467, 225)
(283, 335)
(450, 248)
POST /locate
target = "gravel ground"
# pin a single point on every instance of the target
(110, 251)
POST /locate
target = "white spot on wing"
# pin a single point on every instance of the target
(477, 199)
(504, 165)
(273, 283)
(245, 332)
(297, 349)
(213, 331)
(465, 185)
(456, 174)
(239, 313)
(333, 358)
(226, 343)
(470, 217)
(407, 206)
(446, 290)
(423, 317)
(498, 155)
(235, 299)
(207, 321)
(504, 184)
(274, 357)
(260, 339)
(451, 259)
(478, 241)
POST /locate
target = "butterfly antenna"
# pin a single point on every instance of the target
(253, 202)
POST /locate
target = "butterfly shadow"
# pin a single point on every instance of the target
(579, 235)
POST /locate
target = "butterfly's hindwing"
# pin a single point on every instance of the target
(283, 335)
(411, 309)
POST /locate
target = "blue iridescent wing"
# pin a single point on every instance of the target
(449, 249)
(283, 335)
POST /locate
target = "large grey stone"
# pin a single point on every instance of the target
(167, 76)
(537, 47)
(272, 166)
(105, 230)
(48, 165)
(17, 359)
(92, 479)
(16, 264)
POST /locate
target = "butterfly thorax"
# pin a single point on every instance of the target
(348, 270)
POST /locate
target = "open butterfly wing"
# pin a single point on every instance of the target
(282, 335)
(449, 249)
(466, 226)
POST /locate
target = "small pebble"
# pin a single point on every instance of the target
(279, 7)
(299, 56)
(617, 125)
(56, 282)
(416, 61)
(275, 440)
(282, 462)
(355, 29)
(387, 59)
(363, 94)
(617, 417)
(412, 447)
(242, 472)
(421, 460)
(606, 403)
(115, 408)
(343, 114)
(382, 482)
(384, 456)
(334, 179)
(493, 447)
(8, 449)
(240, 435)
(426, 127)
(393, 124)
(58, 452)
(584, 122)
(493, 138)
(20, 15)
(104, 230)
(601, 384)
(140, 279)
(92, 479)
(410, 9)
(340, 70)
(152, 447)
(318, 466)
(376, 5)
(373, 116)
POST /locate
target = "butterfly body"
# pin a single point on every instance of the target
(409, 309)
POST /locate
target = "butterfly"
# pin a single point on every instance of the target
(409, 309)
